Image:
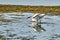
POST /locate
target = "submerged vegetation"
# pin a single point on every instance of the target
(2, 37)
(5, 20)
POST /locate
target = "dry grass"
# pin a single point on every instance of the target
(35, 9)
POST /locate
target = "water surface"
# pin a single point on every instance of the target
(18, 26)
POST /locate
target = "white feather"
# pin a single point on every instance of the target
(36, 17)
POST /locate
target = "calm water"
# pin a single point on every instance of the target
(18, 26)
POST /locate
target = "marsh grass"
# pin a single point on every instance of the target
(34, 9)
(22, 8)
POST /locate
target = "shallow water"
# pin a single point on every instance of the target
(18, 26)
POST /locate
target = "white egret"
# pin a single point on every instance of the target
(36, 17)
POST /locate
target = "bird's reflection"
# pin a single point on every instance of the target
(36, 22)
(37, 27)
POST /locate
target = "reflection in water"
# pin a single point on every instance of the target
(5, 20)
(37, 27)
